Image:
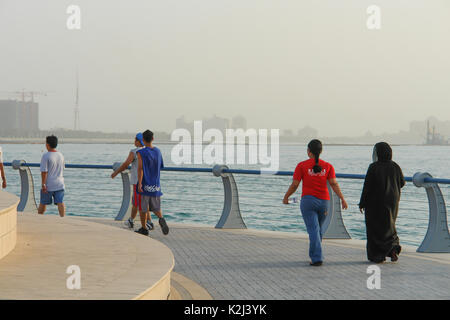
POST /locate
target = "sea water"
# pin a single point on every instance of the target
(198, 197)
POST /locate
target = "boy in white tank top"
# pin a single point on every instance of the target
(136, 200)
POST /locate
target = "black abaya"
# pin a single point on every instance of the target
(380, 198)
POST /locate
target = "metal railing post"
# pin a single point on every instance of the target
(27, 199)
(333, 226)
(125, 208)
(437, 238)
(231, 217)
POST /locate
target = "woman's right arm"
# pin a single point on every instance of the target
(366, 189)
(335, 186)
(401, 176)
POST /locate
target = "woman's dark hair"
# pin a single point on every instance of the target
(52, 141)
(315, 147)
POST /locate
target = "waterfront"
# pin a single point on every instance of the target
(198, 197)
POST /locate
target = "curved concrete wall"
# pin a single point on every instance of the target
(8, 222)
(159, 291)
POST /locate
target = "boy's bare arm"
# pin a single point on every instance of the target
(124, 165)
(140, 172)
(2, 171)
(44, 181)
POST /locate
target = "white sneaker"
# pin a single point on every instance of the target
(150, 225)
(130, 223)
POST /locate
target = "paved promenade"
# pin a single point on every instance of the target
(114, 264)
(250, 264)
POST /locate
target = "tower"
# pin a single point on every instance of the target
(76, 124)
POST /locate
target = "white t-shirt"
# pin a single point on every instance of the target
(134, 167)
(1, 155)
(53, 164)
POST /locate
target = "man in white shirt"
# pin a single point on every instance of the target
(52, 168)
(2, 170)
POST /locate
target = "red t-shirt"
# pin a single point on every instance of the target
(314, 184)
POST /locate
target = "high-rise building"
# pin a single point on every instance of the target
(239, 122)
(181, 123)
(216, 122)
(19, 116)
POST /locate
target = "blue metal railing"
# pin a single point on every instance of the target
(437, 238)
(235, 171)
(68, 165)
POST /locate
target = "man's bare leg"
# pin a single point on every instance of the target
(41, 208)
(143, 216)
(130, 221)
(149, 221)
(61, 209)
(134, 211)
(158, 213)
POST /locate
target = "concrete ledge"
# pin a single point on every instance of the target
(188, 289)
(8, 222)
(159, 291)
(114, 263)
(182, 288)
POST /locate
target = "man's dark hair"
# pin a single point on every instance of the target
(52, 141)
(147, 135)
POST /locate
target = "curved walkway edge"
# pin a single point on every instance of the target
(8, 222)
(53, 253)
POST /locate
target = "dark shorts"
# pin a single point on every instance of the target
(52, 196)
(149, 203)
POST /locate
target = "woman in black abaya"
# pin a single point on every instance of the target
(379, 201)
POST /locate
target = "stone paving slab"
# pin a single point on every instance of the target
(249, 264)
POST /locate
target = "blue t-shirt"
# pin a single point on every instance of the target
(152, 162)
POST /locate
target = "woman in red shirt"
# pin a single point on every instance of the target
(315, 173)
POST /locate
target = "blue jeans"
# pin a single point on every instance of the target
(313, 212)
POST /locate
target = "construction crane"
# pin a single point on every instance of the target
(26, 94)
(23, 96)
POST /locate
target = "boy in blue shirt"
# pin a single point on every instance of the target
(150, 163)
(133, 161)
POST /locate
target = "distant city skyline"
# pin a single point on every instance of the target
(16, 120)
(285, 65)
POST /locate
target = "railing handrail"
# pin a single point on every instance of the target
(67, 165)
(437, 238)
(235, 171)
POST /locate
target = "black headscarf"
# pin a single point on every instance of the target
(382, 151)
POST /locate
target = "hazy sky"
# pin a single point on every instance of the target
(280, 63)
